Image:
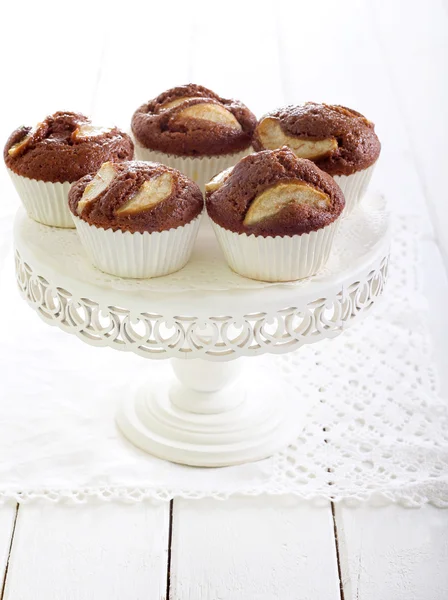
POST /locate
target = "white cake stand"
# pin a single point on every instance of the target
(203, 318)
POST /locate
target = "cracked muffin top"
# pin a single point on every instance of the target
(64, 147)
(137, 197)
(274, 193)
(191, 120)
(339, 140)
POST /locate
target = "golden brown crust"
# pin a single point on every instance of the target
(355, 144)
(172, 123)
(123, 204)
(56, 151)
(281, 171)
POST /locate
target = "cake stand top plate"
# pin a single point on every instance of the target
(206, 286)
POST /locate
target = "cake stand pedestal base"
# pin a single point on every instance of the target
(210, 417)
(207, 319)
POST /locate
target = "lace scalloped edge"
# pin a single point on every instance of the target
(379, 497)
(432, 490)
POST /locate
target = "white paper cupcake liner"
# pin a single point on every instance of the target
(44, 201)
(277, 258)
(200, 169)
(138, 255)
(354, 187)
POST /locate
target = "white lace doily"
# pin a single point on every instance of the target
(206, 271)
(377, 428)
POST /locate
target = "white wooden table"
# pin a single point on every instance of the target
(387, 59)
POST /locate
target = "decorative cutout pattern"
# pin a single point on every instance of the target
(217, 337)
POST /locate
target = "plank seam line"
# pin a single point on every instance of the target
(99, 74)
(281, 62)
(421, 176)
(338, 557)
(168, 564)
(5, 576)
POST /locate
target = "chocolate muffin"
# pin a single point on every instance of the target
(137, 197)
(193, 129)
(339, 140)
(275, 215)
(137, 219)
(64, 147)
(43, 161)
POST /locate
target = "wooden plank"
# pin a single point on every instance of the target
(7, 520)
(188, 54)
(261, 548)
(156, 58)
(415, 43)
(89, 551)
(393, 553)
(341, 67)
(57, 73)
(223, 59)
